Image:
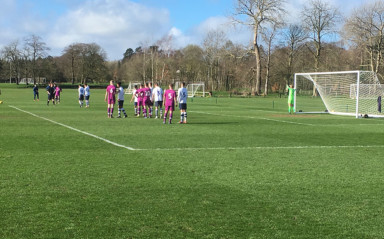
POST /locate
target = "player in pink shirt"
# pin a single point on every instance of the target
(57, 94)
(110, 98)
(146, 100)
(169, 103)
(140, 96)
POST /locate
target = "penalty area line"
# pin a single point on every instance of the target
(74, 129)
(267, 148)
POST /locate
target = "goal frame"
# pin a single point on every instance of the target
(357, 113)
(131, 86)
(192, 93)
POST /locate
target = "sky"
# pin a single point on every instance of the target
(117, 25)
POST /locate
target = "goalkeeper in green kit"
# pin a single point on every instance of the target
(291, 96)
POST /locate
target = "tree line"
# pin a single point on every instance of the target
(321, 39)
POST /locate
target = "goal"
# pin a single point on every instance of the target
(131, 87)
(355, 93)
(196, 89)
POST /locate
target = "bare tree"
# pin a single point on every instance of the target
(12, 53)
(268, 35)
(365, 27)
(213, 43)
(257, 13)
(294, 36)
(38, 49)
(165, 46)
(193, 63)
(319, 19)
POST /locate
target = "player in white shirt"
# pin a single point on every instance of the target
(81, 95)
(182, 96)
(87, 94)
(157, 97)
(134, 99)
(120, 100)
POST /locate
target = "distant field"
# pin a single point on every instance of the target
(240, 168)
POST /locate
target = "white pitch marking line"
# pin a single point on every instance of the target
(270, 148)
(251, 117)
(74, 129)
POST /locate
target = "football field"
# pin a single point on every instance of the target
(240, 168)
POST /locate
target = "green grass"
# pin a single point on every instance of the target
(241, 168)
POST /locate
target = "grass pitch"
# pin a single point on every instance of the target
(240, 168)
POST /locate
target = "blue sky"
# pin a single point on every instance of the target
(120, 24)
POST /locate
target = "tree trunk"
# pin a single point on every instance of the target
(267, 75)
(258, 62)
(162, 73)
(317, 64)
(73, 70)
(378, 59)
(258, 69)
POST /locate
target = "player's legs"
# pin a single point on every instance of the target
(111, 105)
(156, 112)
(181, 116)
(290, 108)
(185, 116)
(121, 109)
(87, 101)
(135, 108)
(150, 109)
(170, 116)
(145, 111)
(81, 99)
(183, 113)
(165, 114)
(157, 106)
(112, 108)
(138, 108)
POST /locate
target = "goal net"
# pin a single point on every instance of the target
(196, 89)
(131, 87)
(356, 93)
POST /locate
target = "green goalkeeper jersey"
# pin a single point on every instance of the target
(291, 94)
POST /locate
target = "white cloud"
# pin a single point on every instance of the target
(196, 35)
(114, 25)
(17, 22)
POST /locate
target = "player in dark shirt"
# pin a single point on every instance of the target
(35, 93)
(51, 93)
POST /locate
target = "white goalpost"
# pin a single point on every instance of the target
(131, 87)
(355, 93)
(196, 89)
